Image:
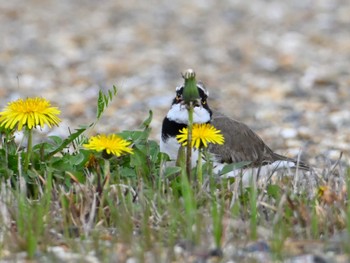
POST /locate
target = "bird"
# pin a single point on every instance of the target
(241, 144)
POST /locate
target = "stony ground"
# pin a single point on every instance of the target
(280, 66)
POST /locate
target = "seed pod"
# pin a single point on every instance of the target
(190, 92)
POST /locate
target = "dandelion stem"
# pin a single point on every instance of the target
(106, 172)
(189, 140)
(4, 142)
(190, 94)
(29, 149)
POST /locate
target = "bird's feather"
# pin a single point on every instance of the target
(243, 144)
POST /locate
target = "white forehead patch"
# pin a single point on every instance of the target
(179, 87)
(179, 114)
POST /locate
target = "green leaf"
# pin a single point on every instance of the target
(163, 157)
(51, 145)
(13, 162)
(147, 122)
(55, 139)
(103, 100)
(138, 160)
(153, 151)
(126, 172)
(80, 176)
(139, 137)
(135, 136)
(274, 191)
(233, 166)
(5, 172)
(76, 159)
(66, 142)
(172, 170)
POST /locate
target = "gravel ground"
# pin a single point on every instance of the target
(282, 67)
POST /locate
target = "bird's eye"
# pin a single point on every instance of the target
(204, 102)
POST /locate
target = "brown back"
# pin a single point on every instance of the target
(242, 145)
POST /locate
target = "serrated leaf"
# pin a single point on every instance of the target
(66, 142)
(103, 100)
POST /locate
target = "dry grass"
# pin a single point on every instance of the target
(281, 218)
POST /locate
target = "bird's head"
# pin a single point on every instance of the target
(179, 110)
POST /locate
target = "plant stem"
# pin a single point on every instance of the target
(199, 167)
(189, 203)
(189, 140)
(29, 149)
(4, 142)
(253, 208)
(209, 162)
(348, 208)
(106, 172)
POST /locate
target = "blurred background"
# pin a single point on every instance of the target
(282, 67)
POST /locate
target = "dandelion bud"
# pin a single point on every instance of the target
(190, 92)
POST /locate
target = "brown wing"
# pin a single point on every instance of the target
(242, 144)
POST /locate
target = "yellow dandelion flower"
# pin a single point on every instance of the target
(29, 112)
(112, 144)
(202, 134)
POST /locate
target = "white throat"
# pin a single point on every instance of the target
(179, 113)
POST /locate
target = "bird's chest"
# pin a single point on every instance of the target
(171, 147)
